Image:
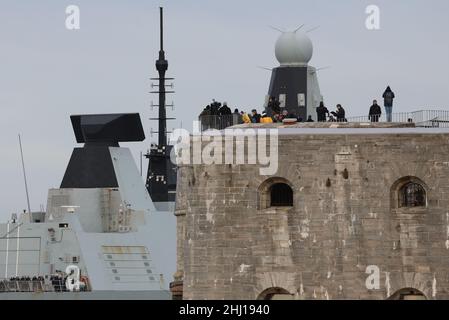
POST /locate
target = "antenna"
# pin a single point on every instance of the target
(24, 175)
(162, 67)
(323, 68)
(297, 29)
(277, 29)
(265, 68)
(161, 19)
(313, 29)
(159, 166)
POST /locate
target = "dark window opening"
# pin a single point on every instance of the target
(408, 294)
(412, 195)
(281, 195)
(275, 294)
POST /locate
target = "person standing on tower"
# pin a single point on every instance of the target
(245, 117)
(322, 112)
(274, 105)
(224, 110)
(375, 112)
(340, 114)
(255, 117)
(388, 103)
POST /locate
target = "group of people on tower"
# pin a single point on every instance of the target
(216, 109)
(374, 115)
(323, 114)
(278, 114)
(375, 112)
(224, 115)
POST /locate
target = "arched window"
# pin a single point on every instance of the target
(281, 195)
(275, 192)
(409, 194)
(412, 194)
(408, 294)
(275, 294)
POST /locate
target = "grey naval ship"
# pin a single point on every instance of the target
(105, 233)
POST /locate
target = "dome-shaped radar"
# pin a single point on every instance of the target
(294, 48)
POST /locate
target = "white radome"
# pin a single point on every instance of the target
(294, 48)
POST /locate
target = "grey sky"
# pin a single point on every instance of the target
(214, 47)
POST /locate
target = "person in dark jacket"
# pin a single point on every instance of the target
(375, 112)
(205, 118)
(309, 119)
(214, 107)
(388, 103)
(322, 112)
(224, 110)
(274, 105)
(340, 114)
(225, 117)
(255, 117)
(205, 112)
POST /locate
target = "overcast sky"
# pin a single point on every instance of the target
(214, 49)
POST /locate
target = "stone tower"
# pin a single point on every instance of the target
(364, 216)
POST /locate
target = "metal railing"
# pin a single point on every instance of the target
(24, 286)
(49, 285)
(401, 117)
(421, 118)
(431, 118)
(219, 122)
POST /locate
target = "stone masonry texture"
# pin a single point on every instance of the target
(344, 219)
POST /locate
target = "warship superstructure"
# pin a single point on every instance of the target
(101, 235)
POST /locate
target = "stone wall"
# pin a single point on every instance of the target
(345, 218)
